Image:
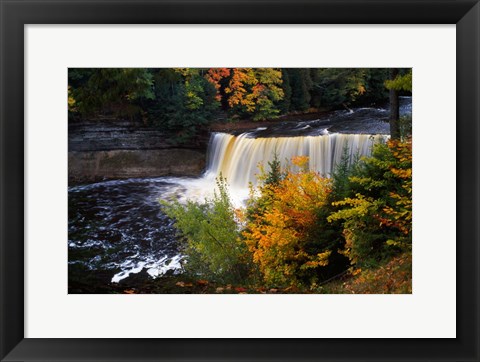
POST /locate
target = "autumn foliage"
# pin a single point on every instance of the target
(279, 234)
(300, 230)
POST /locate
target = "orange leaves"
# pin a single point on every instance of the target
(278, 232)
(320, 259)
(255, 90)
(399, 213)
(214, 76)
(238, 87)
(402, 173)
(401, 150)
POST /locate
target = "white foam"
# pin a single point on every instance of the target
(154, 268)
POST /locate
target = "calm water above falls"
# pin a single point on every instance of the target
(118, 226)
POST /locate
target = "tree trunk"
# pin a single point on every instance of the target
(394, 109)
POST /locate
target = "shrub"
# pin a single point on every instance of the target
(211, 237)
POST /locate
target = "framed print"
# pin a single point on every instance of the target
(117, 100)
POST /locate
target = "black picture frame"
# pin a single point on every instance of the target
(15, 14)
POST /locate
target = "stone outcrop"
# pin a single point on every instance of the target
(118, 149)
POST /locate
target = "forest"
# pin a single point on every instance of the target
(298, 230)
(184, 101)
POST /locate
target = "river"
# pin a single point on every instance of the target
(116, 229)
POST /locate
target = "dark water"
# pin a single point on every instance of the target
(356, 120)
(117, 228)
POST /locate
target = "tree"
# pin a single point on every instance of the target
(285, 103)
(394, 108)
(216, 76)
(377, 219)
(301, 84)
(239, 87)
(375, 91)
(185, 103)
(117, 91)
(397, 82)
(254, 92)
(338, 87)
(280, 227)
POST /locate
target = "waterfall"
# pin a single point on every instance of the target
(237, 157)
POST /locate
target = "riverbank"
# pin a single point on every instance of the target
(82, 281)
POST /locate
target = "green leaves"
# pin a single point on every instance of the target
(185, 103)
(110, 90)
(377, 220)
(401, 82)
(211, 237)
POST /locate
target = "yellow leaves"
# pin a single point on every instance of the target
(300, 161)
(401, 82)
(321, 259)
(71, 99)
(359, 206)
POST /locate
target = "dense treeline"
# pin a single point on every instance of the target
(183, 101)
(299, 229)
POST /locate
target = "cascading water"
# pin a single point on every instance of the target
(117, 227)
(237, 158)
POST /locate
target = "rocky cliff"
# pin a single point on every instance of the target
(113, 149)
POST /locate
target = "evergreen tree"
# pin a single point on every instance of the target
(117, 91)
(301, 84)
(375, 93)
(185, 103)
(338, 87)
(285, 103)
